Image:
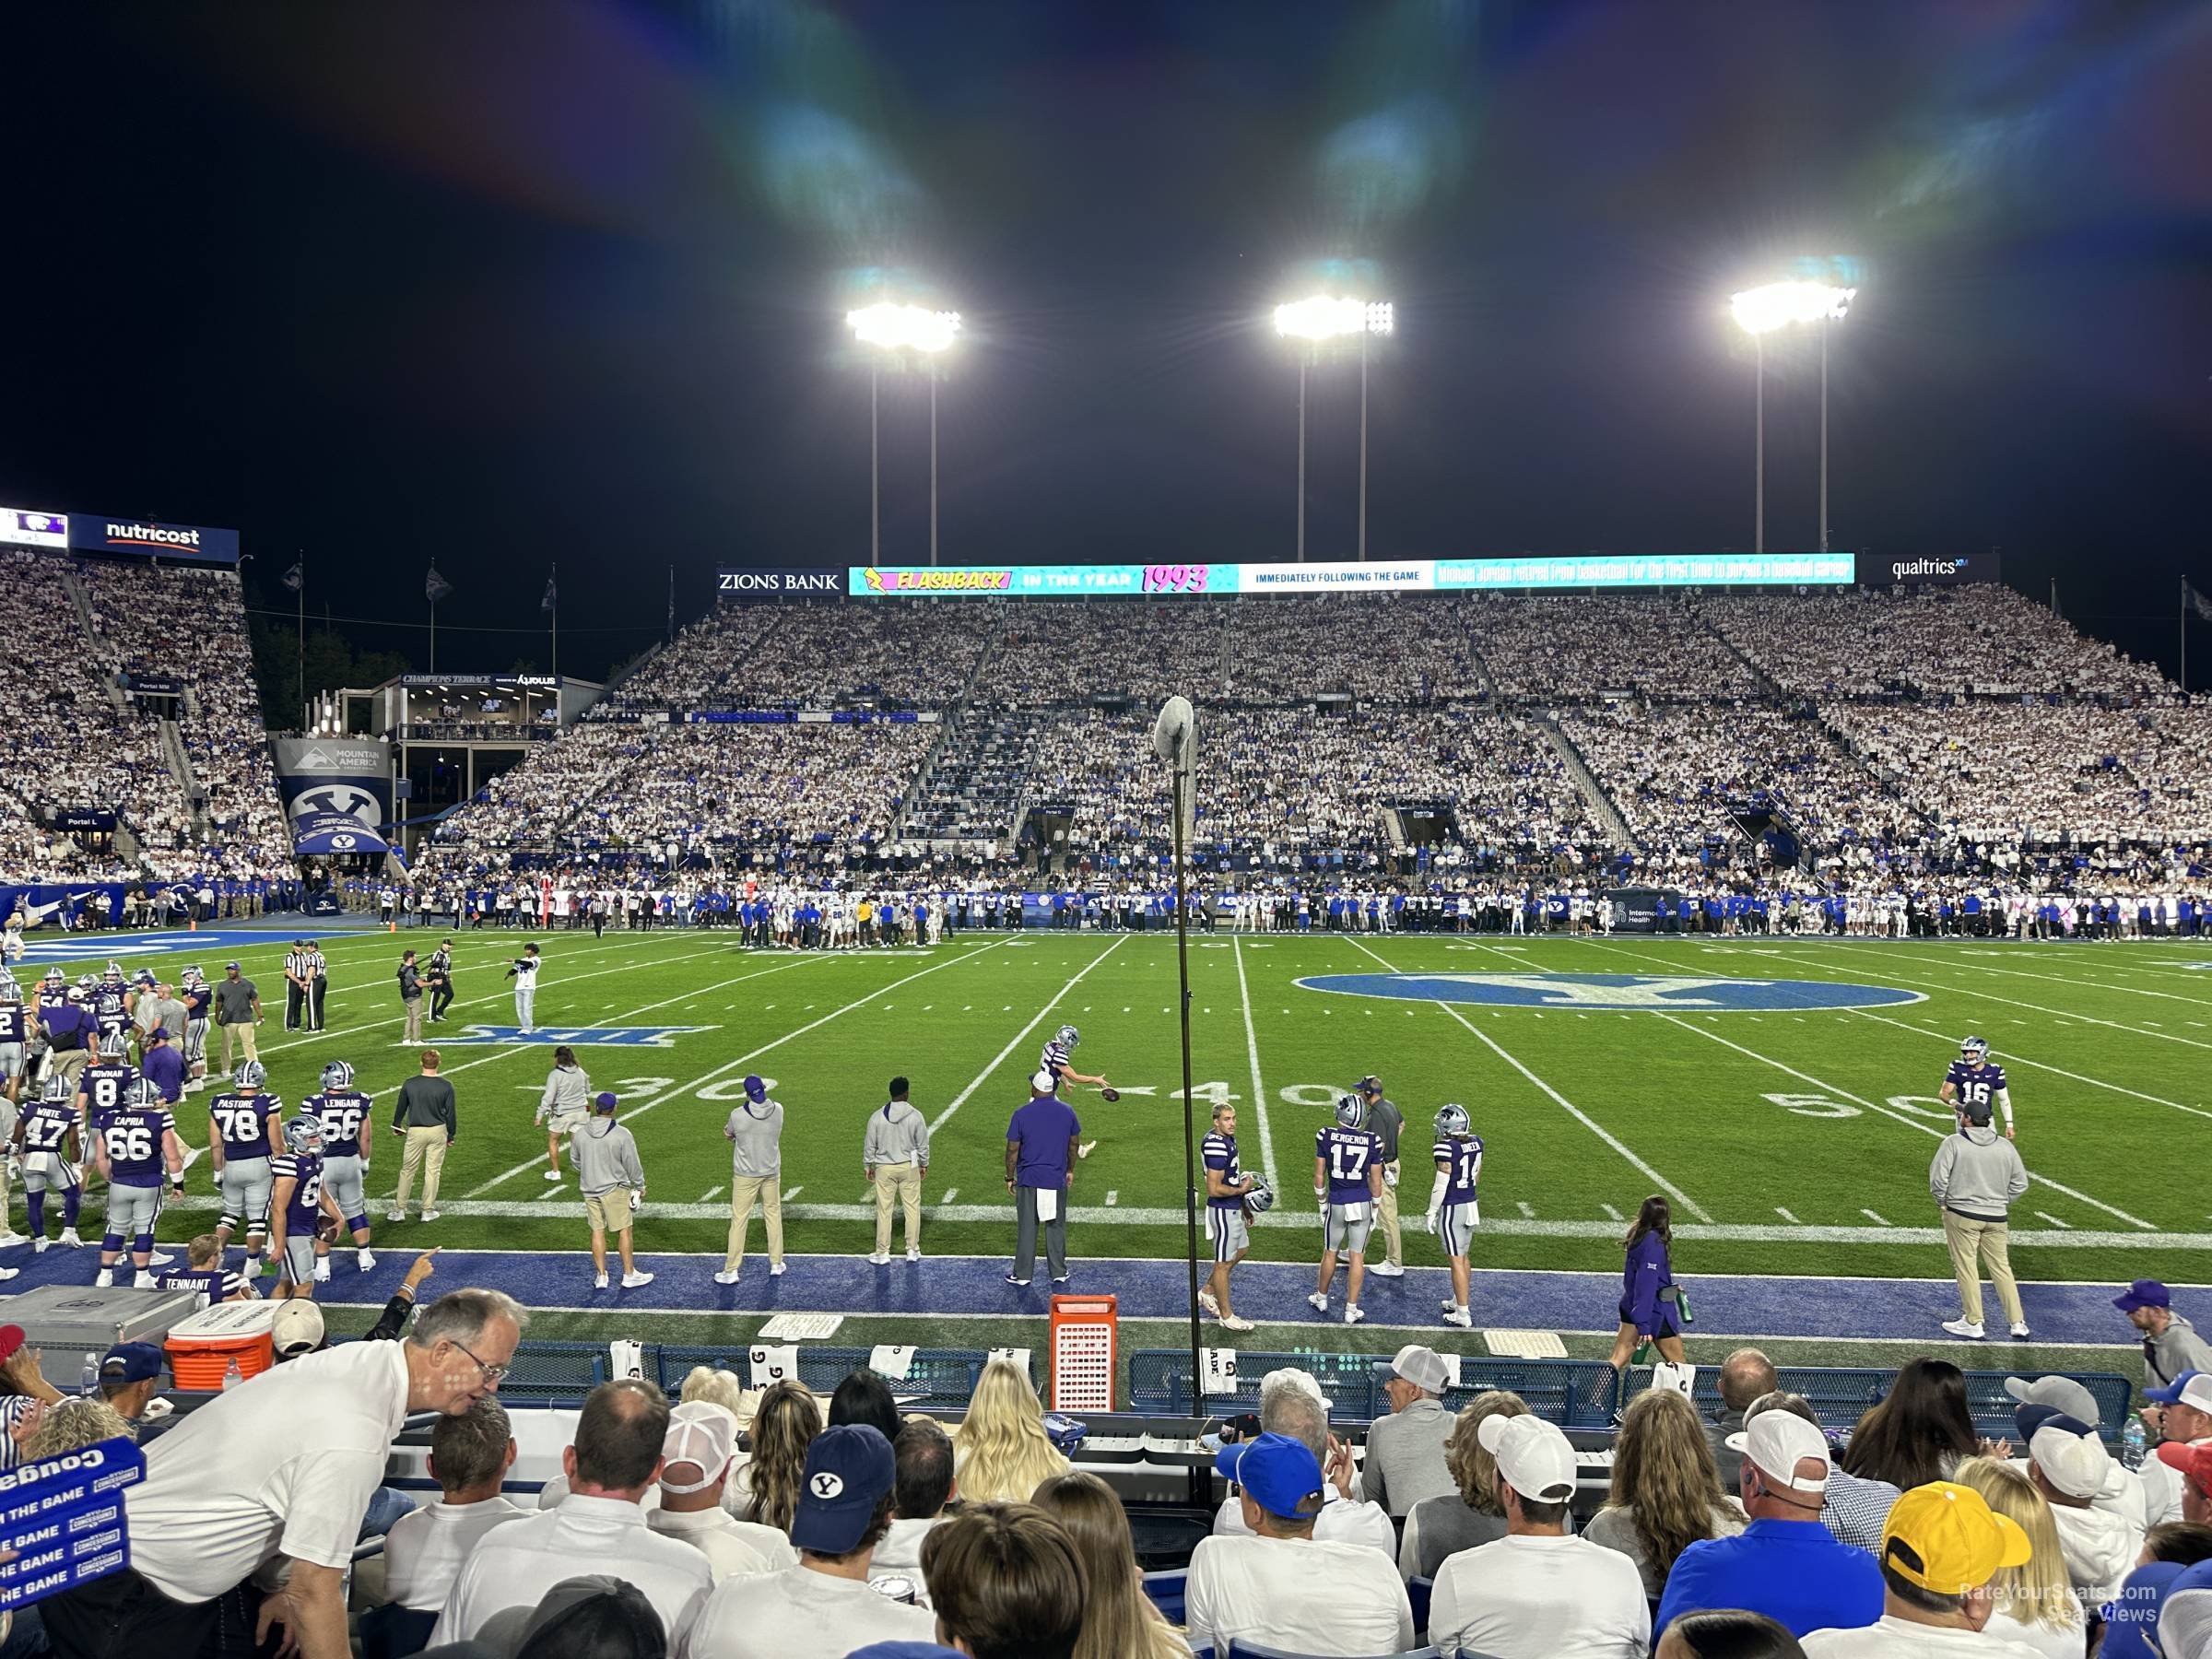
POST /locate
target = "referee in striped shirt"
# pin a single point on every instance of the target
(306, 982)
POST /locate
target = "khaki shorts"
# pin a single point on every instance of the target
(609, 1210)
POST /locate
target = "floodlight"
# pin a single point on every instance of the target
(1325, 317)
(903, 327)
(1777, 305)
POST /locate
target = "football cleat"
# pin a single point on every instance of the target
(1452, 1121)
(69, 1238)
(1460, 1317)
(1351, 1112)
(336, 1076)
(1320, 1300)
(1352, 1315)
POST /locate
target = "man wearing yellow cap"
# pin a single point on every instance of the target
(1942, 1546)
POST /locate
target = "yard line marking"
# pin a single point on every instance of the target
(2017, 1059)
(1581, 1117)
(791, 1193)
(982, 1076)
(1872, 1218)
(1787, 1217)
(1112, 1199)
(710, 1195)
(1974, 967)
(1611, 1213)
(951, 1193)
(2047, 1216)
(1252, 1051)
(1890, 1112)
(1527, 1209)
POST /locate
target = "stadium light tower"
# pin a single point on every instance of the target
(1315, 321)
(896, 334)
(1760, 312)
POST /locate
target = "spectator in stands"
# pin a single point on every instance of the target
(1119, 1620)
(1728, 1635)
(1919, 1432)
(593, 1616)
(2181, 1417)
(1856, 1507)
(2137, 1498)
(1941, 1550)
(1785, 1564)
(2068, 1465)
(823, 1607)
(470, 1455)
(1406, 1450)
(1291, 1404)
(1438, 1527)
(784, 1423)
(53, 1431)
(1537, 1591)
(1745, 1375)
(2184, 1543)
(864, 1397)
(2171, 1345)
(1282, 1586)
(923, 1484)
(1667, 1490)
(695, 1466)
(2033, 1601)
(2131, 1622)
(287, 1466)
(2185, 1622)
(1000, 1446)
(2192, 1464)
(1008, 1583)
(614, 1463)
(130, 1375)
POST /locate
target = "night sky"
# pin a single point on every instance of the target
(507, 284)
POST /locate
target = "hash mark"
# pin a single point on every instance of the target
(1612, 1214)
(791, 1193)
(1872, 1218)
(708, 1197)
(1787, 1217)
(1528, 1209)
(951, 1193)
(2047, 1216)
(1112, 1199)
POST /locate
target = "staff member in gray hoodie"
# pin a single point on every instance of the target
(613, 1186)
(565, 1107)
(1976, 1178)
(894, 1156)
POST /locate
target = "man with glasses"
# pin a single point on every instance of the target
(286, 1467)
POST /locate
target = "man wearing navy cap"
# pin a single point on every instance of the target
(2171, 1345)
(1283, 1587)
(130, 1375)
(755, 1132)
(613, 1183)
(823, 1604)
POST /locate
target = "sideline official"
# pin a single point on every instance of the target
(1976, 1178)
(895, 1157)
(441, 981)
(1041, 1138)
(306, 983)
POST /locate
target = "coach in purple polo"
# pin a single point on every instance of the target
(1041, 1138)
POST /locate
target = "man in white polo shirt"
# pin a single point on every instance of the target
(470, 1455)
(1283, 1587)
(285, 1465)
(615, 1461)
(695, 1463)
(1537, 1594)
(1291, 1404)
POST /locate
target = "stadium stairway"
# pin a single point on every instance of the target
(1593, 795)
(1760, 676)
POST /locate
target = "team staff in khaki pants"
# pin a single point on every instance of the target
(238, 1009)
(1977, 1177)
(1388, 1123)
(755, 1134)
(895, 1157)
(426, 1120)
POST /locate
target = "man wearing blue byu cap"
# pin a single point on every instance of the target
(1282, 1587)
(2180, 1416)
(756, 1135)
(823, 1604)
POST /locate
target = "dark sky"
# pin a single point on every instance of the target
(564, 280)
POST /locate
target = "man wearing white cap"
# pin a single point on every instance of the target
(1785, 1564)
(2068, 1465)
(1041, 1142)
(1406, 1450)
(2123, 1493)
(695, 1463)
(1537, 1594)
(2183, 1417)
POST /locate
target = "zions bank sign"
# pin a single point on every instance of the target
(778, 582)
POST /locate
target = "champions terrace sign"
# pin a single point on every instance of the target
(1417, 575)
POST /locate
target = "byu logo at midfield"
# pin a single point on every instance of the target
(576, 1036)
(1613, 991)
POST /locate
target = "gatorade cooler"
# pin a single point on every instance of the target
(202, 1348)
(1084, 1337)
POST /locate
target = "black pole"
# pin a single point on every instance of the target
(1189, 1155)
(305, 724)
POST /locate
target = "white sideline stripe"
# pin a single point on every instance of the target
(1890, 1112)
(729, 1065)
(1581, 1117)
(982, 1076)
(2018, 1059)
(2054, 979)
(1251, 1048)
(1133, 1216)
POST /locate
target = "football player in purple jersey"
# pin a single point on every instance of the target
(1976, 1084)
(132, 1147)
(1453, 1213)
(1348, 1183)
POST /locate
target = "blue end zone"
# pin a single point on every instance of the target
(1590, 992)
(211, 943)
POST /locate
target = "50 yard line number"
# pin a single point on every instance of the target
(1821, 1106)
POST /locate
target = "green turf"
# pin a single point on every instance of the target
(1744, 1116)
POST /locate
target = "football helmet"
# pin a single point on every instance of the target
(114, 1045)
(303, 1134)
(1069, 1035)
(55, 1090)
(1351, 1112)
(251, 1073)
(196, 976)
(142, 1094)
(111, 974)
(1260, 1198)
(1452, 1121)
(9, 990)
(1974, 1049)
(87, 983)
(336, 1076)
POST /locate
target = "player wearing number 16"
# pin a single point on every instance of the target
(1976, 1084)
(1348, 1183)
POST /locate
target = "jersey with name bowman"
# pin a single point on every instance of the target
(102, 1084)
(303, 1210)
(1347, 1155)
(1219, 1151)
(1462, 1161)
(341, 1112)
(242, 1123)
(1976, 1086)
(133, 1136)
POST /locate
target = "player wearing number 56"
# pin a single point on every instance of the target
(1977, 1178)
(1043, 1140)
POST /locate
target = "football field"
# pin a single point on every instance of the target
(1781, 1093)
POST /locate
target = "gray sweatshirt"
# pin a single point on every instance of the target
(1978, 1174)
(606, 1156)
(2175, 1350)
(897, 1134)
(568, 1094)
(756, 1135)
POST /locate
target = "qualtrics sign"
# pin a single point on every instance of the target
(1881, 570)
(775, 582)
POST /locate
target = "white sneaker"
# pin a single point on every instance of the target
(775, 1270)
(159, 1258)
(105, 1279)
(630, 1281)
(8, 1273)
(143, 1281)
(69, 1238)
(1460, 1317)
(365, 1260)
(321, 1270)
(913, 1253)
(39, 1244)
(1233, 1322)
(10, 1237)
(2021, 1333)
(1084, 1151)
(879, 1258)
(1386, 1270)
(395, 1215)
(1970, 1329)
(428, 1215)
(1318, 1301)
(552, 1174)
(1352, 1314)
(727, 1276)
(1211, 1307)
(599, 1281)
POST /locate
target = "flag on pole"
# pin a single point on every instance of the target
(435, 587)
(552, 599)
(2197, 599)
(296, 577)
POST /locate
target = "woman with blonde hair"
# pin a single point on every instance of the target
(1119, 1619)
(1667, 1488)
(1000, 1451)
(2035, 1605)
(1437, 1528)
(783, 1426)
(716, 1387)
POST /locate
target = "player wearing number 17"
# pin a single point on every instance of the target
(1347, 1182)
